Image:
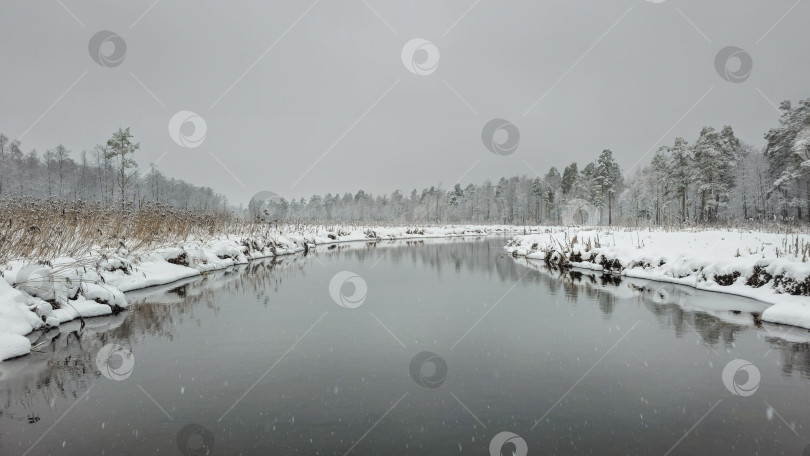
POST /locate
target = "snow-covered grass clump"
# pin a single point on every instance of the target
(770, 267)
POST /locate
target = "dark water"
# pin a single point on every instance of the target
(262, 360)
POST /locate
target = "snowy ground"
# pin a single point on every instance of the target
(36, 296)
(770, 267)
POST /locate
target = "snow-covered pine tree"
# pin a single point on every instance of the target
(611, 180)
(120, 147)
(714, 163)
(790, 177)
(680, 174)
(659, 170)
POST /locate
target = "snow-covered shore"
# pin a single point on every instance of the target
(42, 295)
(769, 267)
(725, 308)
(763, 266)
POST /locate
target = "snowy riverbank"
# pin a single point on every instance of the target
(770, 267)
(44, 295)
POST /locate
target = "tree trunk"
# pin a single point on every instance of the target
(703, 206)
(807, 185)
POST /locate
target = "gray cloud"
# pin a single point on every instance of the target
(601, 87)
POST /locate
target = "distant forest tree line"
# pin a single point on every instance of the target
(108, 174)
(715, 179)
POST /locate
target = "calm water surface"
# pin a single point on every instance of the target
(261, 360)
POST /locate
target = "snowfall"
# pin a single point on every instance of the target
(763, 266)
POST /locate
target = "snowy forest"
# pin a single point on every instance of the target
(108, 174)
(714, 179)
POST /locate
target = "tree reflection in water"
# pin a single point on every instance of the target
(678, 307)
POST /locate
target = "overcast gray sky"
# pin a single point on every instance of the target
(303, 97)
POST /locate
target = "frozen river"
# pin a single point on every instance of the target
(424, 347)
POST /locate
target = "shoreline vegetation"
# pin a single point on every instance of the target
(771, 267)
